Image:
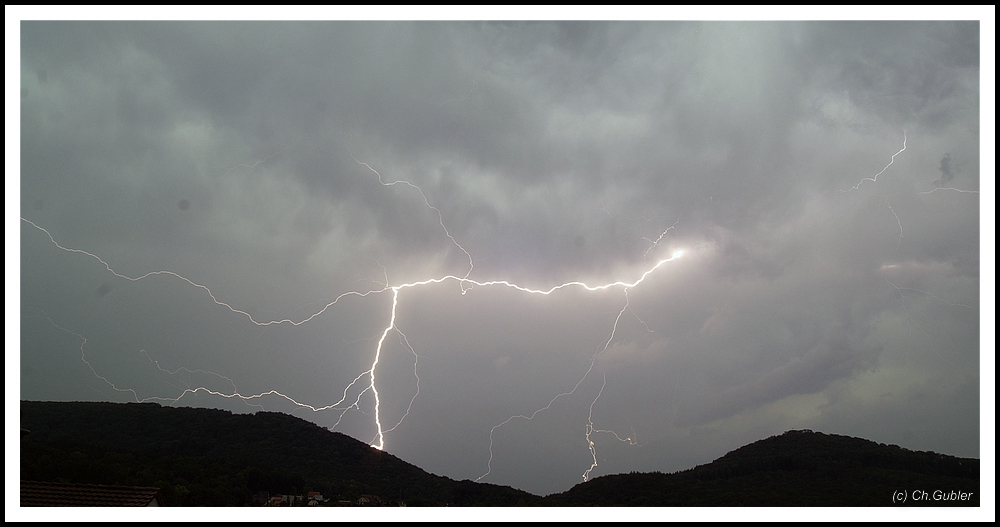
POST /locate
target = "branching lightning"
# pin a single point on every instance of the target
(464, 282)
(591, 430)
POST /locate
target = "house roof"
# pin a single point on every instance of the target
(50, 494)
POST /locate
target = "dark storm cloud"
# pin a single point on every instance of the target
(231, 153)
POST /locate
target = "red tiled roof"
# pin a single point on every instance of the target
(47, 494)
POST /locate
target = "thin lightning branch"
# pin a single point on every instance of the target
(255, 165)
(200, 286)
(173, 400)
(949, 188)
(605, 209)
(905, 312)
(932, 295)
(653, 244)
(428, 204)
(403, 340)
(83, 357)
(190, 371)
(875, 178)
(353, 405)
(593, 360)
(900, 240)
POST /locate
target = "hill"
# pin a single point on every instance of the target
(201, 456)
(797, 468)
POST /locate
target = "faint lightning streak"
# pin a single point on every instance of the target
(83, 358)
(426, 202)
(875, 178)
(905, 312)
(173, 400)
(403, 340)
(593, 360)
(255, 165)
(190, 371)
(356, 401)
(200, 286)
(932, 295)
(900, 240)
(653, 244)
(949, 188)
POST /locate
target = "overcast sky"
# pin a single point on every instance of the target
(815, 187)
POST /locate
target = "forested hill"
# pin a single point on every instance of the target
(201, 456)
(797, 468)
(213, 457)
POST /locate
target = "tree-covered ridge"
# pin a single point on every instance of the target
(213, 457)
(284, 454)
(797, 468)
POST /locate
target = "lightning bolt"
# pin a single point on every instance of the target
(875, 177)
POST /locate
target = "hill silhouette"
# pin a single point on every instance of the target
(797, 468)
(200, 456)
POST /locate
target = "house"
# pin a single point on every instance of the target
(51, 494)
(369, 500)
(314, 498)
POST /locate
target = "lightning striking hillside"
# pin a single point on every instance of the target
(367, 381)
(345, 404)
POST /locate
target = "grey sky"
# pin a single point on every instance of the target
(816, 290)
